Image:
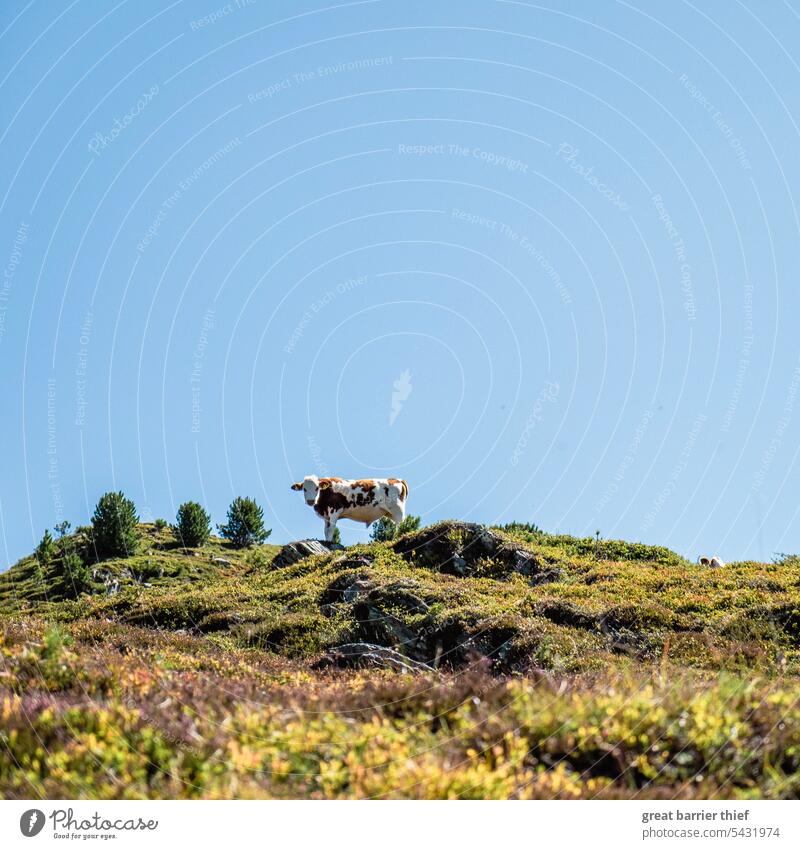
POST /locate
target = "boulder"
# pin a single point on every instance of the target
(369, 654)
(294, 552)
(346, 588)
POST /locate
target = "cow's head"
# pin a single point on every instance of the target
(311, 486)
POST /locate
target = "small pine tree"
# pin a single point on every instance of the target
(160, 524)
(46, 550)
(385, 529)
(114, 522)
(245, 525)
(77, 574)
(337, 536)
(192, 526)
(62, 528)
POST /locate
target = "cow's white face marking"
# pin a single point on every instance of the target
(310, 489)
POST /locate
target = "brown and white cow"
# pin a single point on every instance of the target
(359, 500)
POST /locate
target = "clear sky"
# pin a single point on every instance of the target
(540, 260)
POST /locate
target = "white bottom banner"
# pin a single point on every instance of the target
(401, 825)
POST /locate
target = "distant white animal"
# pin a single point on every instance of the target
(360, 500)
(712, 562)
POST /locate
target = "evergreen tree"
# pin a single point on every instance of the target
(46, 550)
(192, 526)
(62, 528)
(245, 525)
(114, 524)
(385, 529)
(76, 574)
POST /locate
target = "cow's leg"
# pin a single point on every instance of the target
(330, 527)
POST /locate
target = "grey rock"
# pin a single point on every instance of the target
(370, 654)
(294, 552)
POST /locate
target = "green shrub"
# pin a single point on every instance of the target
(192, 525)
(46, 550)
(782, 559)
(62, 528)
(77, 575)
(114, 526)
(523, 529)
(385, 529)
(245, 525)
(160, 524)
(595, 547)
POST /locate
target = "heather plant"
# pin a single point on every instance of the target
(499, 664)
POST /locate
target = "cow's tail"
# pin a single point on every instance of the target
(404, 487)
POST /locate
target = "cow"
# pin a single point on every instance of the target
(360, 500)
(712, 562)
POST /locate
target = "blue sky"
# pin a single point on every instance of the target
(564, 236)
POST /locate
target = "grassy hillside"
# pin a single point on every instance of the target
(455, 661)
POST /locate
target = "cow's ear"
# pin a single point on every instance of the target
(324, 484)
(297, 486)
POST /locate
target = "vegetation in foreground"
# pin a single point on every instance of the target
(453, 661)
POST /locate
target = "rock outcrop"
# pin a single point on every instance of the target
(294, 552)
(466, 548)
